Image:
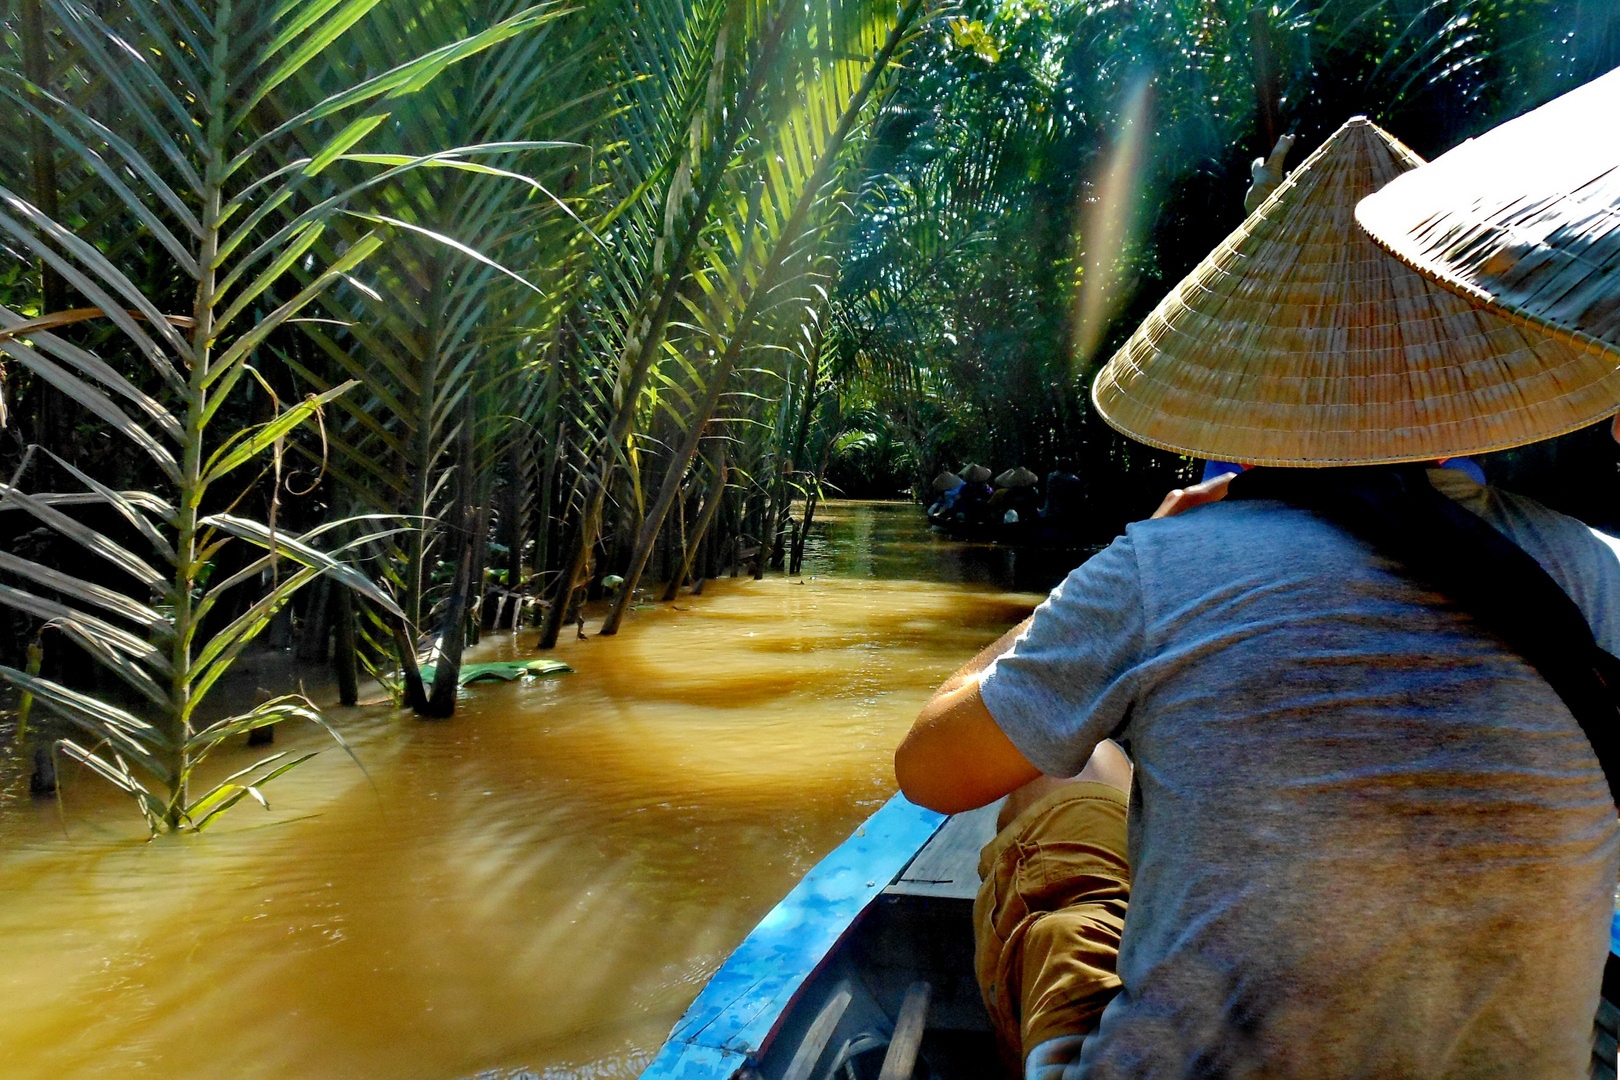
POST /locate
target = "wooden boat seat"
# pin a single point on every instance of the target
(948, 865)
(899, 1050)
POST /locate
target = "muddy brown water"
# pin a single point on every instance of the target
(535, 888)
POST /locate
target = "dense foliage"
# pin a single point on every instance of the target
(459, 313)
(447, 297)
(1049, 171)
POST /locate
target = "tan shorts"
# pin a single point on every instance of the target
(1049, 915)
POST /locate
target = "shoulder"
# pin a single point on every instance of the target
(1234, 533)
(1113, 570)
(1216, 517)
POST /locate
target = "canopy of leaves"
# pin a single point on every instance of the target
(962, 331)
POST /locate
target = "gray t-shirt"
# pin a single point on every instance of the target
(1365, 839)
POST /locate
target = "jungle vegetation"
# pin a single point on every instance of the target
(1049, 171)
(376, 325)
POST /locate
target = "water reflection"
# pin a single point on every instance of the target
(541, 883)
(883, 540)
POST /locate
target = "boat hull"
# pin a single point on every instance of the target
(881, 927)
(734, 1019)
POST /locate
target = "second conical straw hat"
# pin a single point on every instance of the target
(1524, 220)
(1299, 341)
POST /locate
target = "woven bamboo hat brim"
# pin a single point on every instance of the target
(1525, 219)
(1299, 341)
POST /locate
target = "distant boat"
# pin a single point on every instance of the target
(865, 970)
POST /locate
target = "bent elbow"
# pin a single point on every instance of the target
(906, 776)
(923, 786)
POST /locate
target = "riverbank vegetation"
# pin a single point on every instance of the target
(1050, 171)
(371, 326)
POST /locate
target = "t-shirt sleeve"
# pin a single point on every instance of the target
(1584, 561)
(1068, 680)
(1599, 596)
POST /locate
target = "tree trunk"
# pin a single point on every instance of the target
(810, 502)
(801, 437)
(42, 778)
(1266, 93)
(312, 643)
(278, 635)
(785, 527)
(567, 581)
(415, 693)
(706, 516)
(453, 628)
(416, 551)
(548, 495)
(767, 528)
(680, 460)
(478, 576)
(675, 539)
(344, 666)
(517, 508)
(755, 522)
(52, 410)
(441, 702)
(776, 511)
(796, 560)
(716, 541)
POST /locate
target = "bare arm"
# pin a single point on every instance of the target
(956, 757)
(970, 671)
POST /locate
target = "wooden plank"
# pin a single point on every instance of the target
(949, 865)
(901, 1059)
(820, 1034)
(740, 1004)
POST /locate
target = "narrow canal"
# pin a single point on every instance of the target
(536, 888)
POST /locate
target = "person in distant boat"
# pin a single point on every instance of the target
(1366, 833)
(947, 488)
(973, 499)
(1016, 497)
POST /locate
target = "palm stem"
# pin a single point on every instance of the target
(787, 244)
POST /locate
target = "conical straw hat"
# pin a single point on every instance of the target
(1524, 220)
(1017, 477)
(1299, 341)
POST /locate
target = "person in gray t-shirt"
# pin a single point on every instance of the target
(1365, 838)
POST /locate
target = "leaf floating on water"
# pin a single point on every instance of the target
(503, 670)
